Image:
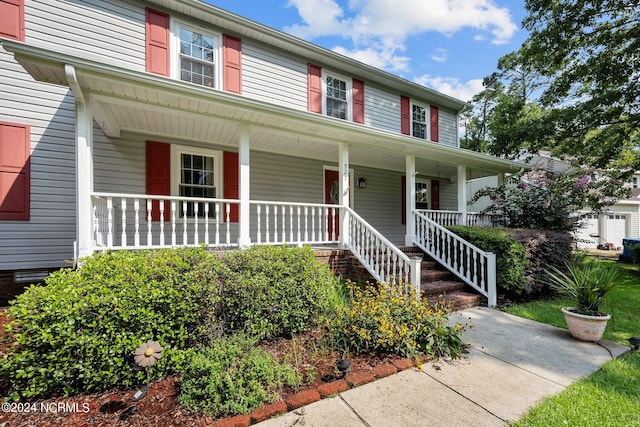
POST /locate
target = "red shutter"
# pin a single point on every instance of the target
(231, 184)
(15, 171)
(358, 101)
(434, 123)
(157, 42)
(159, 176)
(232, 57)
(403, 203)
(314, 88)
(405, 115)
(435, 194)
(12, 19)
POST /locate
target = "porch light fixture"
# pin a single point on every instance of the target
(362, 183)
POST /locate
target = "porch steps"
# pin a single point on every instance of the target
(442, 286)
(437, 284)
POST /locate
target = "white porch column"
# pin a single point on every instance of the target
(345, 189)
(244, 238)
(84, 167)
(462, 194)
(500, 177)
(410, 199)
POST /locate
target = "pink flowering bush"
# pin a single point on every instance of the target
(540, 199)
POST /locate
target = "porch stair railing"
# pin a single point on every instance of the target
(471, 264)
(382, 259)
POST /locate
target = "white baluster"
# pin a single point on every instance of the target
(266, 226)
(291, 223)
(217, 206)
(284, 233)
(109, 222)
(123, 209)
(161, 222)
(174, 208)
(275, 223)
(306, 224)
(184, 223)
(259, 223)
(196, 208)
(313, 223)
(299, 237)
(136, 232)
(149, 207)
(228, 216)
(206, 223)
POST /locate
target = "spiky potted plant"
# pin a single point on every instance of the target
(587, 283)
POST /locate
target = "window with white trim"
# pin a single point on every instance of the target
(198, 56)
(337, 99)
(423, 193)
(419, 121)
(634, 183)
(196, 173)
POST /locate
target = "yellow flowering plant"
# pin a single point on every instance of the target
(382, 319)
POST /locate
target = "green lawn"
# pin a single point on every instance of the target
(611, 396)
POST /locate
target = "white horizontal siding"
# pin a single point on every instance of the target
(271, 77)
(448, 128)
(110, 31)
(380, 203)
(449, 196)
(381, 109)
(46, 240)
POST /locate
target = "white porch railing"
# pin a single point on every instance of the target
(386, 263)
(294, 223)
(468, 262)
(138, 221)
(448, 218)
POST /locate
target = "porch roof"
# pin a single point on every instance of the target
(131, 101)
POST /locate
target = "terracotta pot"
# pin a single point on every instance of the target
(584, 327)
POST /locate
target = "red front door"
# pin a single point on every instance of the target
(332, 197)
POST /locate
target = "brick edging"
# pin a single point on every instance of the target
(314, 394)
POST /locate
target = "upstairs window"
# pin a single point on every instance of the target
(635, 182)
(419, 121)
(337, 103)
(198, 57)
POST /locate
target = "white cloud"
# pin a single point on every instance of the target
(378, 29)
(452, 86)
(440, 55)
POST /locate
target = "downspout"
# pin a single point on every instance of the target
(83, 245)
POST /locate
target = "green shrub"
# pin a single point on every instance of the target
(381, 319)
(543, 249)
(275, 290)
(78, 333)
(233, 376)
(511, 261)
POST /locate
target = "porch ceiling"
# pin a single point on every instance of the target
(130, 101)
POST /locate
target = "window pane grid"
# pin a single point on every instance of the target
(196, 180)
(337, 105)
(196, 58)
(419, 122)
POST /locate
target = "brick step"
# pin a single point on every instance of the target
(441, 286)
(434, 275)
(457, 300)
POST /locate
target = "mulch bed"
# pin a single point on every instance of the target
(159, 407)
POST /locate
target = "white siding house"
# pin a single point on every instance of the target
(138, 124)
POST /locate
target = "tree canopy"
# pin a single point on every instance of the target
(573, 89)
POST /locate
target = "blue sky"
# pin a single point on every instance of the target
(448, 45)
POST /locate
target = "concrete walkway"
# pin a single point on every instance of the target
(513, 363)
